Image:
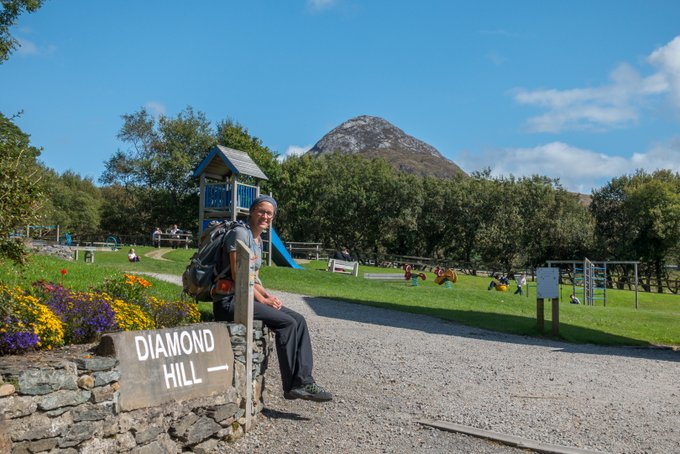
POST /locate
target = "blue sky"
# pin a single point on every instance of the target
(578, 90)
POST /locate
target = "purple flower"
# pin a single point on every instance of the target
(85, 315)
(16, 341)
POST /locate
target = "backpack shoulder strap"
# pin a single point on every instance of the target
(226, 267)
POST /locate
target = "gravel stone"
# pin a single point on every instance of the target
(389, 370)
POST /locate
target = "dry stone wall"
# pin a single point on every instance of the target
(65, 402)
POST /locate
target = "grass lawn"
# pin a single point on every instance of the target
(656, 321)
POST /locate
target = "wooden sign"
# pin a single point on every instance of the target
(158, 366)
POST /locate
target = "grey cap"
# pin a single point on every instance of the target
(264, 198)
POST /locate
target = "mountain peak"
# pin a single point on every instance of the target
(376, 137)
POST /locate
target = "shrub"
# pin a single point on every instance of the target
(128, 288)
(173, 313)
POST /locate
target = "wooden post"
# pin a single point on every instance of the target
(636, 285)
(243, 314)
(556, 316)
(527, 286)
(270, 243)
(234, 199)
(540, 317)
(201, 206)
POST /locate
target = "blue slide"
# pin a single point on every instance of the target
(280, 254)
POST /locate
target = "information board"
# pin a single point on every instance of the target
(547, 283)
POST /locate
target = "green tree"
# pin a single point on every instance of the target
(556, 226)
(470, 211)
(74, 203)
(234, 135)
(636, 218)
(612, 224)
(497, 239)
(450, 218)
(296, 195)
(158, 168)
(11, 9)
(653, 203)
(347, 200)
(21, 191)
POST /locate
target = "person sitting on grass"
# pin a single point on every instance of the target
(573, 299)
(132, 256)
(493, 283)
(293, 345)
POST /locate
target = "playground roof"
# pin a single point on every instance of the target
(224, 161)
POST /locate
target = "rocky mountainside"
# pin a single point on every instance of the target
(376, 137)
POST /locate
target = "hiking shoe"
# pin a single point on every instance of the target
(309, 392)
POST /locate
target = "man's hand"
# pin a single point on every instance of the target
(273, 301)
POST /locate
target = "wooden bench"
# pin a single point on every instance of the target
(342, 266)
(385, 276)
(309, 250)
(177, 239)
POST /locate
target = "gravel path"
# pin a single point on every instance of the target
(389, 370)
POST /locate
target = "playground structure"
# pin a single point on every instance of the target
(446, 277)
(224, 196)
(408, 275)
(413, 277)
(591, 277)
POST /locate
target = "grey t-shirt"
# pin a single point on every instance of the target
(244, 234)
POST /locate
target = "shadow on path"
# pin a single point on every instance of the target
(275, 414)
(387, 314)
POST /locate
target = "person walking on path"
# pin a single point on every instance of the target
(293, 345)
(521, 282)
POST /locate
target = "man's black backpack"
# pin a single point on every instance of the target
(207, 265)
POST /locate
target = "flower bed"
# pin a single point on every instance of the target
(49, 315)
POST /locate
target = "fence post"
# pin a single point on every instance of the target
(243, 314)
(539, 315)
(556, 316)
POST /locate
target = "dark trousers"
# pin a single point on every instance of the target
(293, 346)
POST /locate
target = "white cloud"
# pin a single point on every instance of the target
(578, 169)
(318, 5)
(615, 104)
(26, 47)
(496, 58)
(667, 58)
(661, 156)
(155, 108)
(295, 150)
